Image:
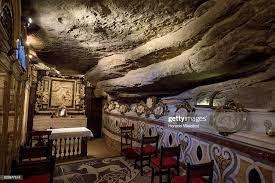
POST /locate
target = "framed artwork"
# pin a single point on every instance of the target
(53, 93)
(62, 93)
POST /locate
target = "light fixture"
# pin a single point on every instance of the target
(30, 56)
(27, 43)
(30, 20)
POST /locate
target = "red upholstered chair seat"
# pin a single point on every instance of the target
(147, 150)
(168, 162)
(36, 179)
(168, 159)
(182, 179)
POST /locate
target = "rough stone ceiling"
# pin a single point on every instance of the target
(160, 45)
(76, 34)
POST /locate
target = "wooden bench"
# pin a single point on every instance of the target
(35, 163)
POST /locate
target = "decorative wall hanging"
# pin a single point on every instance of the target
(160, 110)
(229, 118)
(185, 105)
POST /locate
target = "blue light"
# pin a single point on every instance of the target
(21, 54)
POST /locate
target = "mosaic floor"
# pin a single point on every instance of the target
(106, 170)
(103, 166)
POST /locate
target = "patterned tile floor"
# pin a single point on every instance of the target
(98, 149)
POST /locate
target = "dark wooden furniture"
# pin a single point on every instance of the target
(148, 149)
(40, 138)
(35, 163)
(195, 173)
(126, 142)
(168, 159)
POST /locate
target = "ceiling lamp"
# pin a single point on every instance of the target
(30, 20)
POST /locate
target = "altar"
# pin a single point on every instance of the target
(43, 122)
(70, 132)
(70, 142)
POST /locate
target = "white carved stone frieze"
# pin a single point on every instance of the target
(140, 108)
(110, 106)
(150, 107)
(123, 108)
(160, 110)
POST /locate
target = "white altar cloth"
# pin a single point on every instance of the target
(70, 132)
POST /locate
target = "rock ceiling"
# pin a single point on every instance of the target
(154, 46)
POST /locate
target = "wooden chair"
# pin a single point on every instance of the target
(40, 138)
(148, 149)
(36, 164)
(126, 142)
(168, 159)
(195, 173)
